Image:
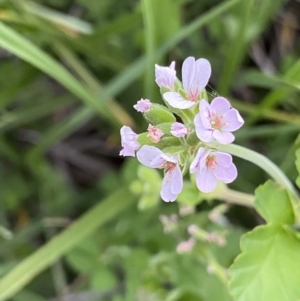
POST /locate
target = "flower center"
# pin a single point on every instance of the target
(169, 166)
(211, 162)
(217, 122)
(193, 94)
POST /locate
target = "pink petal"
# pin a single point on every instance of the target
(165, 76)
(223, 137)
(226, 175)
(202, 74)
(127, 152)
(206, 182)
(128, 141)
(198, 161)
(170, 158)
(176, 180)
(172, 65)
(220, 105)
(166, 190)
(205, 113)
(142, 105)
(233, 119)
(222, 159)
(205, 135)
(150, 156)
(175, 100)
(188, 71)
(178, 129)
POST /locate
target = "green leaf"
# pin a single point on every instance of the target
(298, 167)
(273, 204)
(30, 267)
(268, 267)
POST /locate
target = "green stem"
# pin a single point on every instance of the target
(263, 162)
(237, 197)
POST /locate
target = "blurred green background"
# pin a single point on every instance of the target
(70, 72)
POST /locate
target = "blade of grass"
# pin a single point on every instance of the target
(69, 22)
(149, 25)
(12, 119)
(268, 114)
(90, 80)
(253, 20)
(258, 79)
(237, 48)
(292, 77)
(24, 49)
(28, 295)
(30, 267)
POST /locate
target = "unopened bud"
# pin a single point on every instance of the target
(159, 114)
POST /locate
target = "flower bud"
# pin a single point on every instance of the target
(158, 114)
(165, 141)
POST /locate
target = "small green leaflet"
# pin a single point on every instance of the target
(269, 266)
(273, 203)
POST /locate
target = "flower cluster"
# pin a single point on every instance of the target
(185, 133)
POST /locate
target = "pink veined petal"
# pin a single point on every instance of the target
(222, 159)
(143, 105)
(188, 71)
(178, 129)
(202, 74)
(220, 105)
(150, 156)
(233, 119)
(166, 192)
(128, 135)
(169, 158)
(223, 137)
(176, 180)
(196, 163)
(226, 174)
(128, 141)
(175, 100)
(205, 135)
(205, 113)
(172, 65)
(206, 181)
(165, 76)
(127, 152)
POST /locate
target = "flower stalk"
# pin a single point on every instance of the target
(263, 162)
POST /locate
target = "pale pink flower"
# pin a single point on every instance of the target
(165, 76)
(172, 182)
(178, 129)
(217, 120)
(154, 133)
(195, 76)
(211, 166)
(186, 246)
(128, 141)
(143, 105)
